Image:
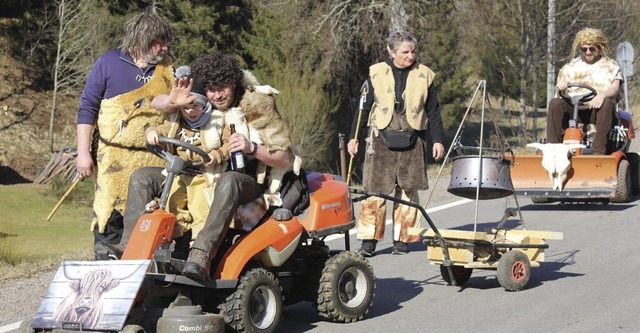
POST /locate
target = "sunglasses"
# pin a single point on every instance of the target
(590, 48)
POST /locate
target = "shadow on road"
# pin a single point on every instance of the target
(390, 294)
(579, 206)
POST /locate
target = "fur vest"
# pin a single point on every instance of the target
(122, 121)
(415, 95)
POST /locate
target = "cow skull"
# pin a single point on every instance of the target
(556, 161)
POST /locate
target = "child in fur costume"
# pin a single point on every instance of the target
(199, 124)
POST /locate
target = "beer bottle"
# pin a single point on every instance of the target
(236, 161)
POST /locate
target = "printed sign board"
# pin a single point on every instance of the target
(91, 295)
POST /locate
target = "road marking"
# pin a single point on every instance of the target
(10, 327)
(389, 221)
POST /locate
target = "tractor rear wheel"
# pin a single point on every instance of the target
(514, 270)
(460, 274)
(256, 305)
(346, 288)
(623, 188)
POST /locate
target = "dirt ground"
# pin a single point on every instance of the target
(24, 124)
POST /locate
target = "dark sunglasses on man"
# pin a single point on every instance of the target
(590, 48)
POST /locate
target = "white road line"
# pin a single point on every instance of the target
(10, 327)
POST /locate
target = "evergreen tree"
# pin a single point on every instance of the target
(290, 61)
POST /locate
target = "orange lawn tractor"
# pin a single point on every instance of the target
(571, 172)
(283, 260)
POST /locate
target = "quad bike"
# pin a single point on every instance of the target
(607, 178)
(283, 260)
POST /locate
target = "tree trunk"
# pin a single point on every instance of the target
(61, 15)
(398, 15)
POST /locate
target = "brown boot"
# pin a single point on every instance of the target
(197, 266)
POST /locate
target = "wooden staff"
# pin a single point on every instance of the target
(363, 98)
(343, 163)
(75, 183)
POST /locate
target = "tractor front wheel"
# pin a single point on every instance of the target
(256, 305)
(624, 185)
(346, 288)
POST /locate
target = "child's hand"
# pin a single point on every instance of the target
(180, 94)
(152, 138)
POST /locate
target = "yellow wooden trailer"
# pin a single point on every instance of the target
(512, 252)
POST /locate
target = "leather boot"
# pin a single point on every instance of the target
(197, 266)
(108, 251)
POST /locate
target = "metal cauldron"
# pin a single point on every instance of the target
(496, 177)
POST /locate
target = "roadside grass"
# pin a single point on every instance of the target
(30, 244)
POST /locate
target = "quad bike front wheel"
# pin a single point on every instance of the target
(514, 270)
(346, 288)
(460, 274)
(256, 305)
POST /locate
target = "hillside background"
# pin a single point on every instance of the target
(316, 52)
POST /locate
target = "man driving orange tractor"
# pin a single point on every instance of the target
(592, 68)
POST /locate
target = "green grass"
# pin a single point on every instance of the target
(31, 242)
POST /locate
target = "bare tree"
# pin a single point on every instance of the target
(78, 28)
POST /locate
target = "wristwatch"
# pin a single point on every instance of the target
(255, 148)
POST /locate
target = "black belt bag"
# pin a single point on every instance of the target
(398, 139)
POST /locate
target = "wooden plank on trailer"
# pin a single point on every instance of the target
(457, 254)
(493, 265)
(556, 235)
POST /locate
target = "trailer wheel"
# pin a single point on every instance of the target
(541, 200)
(346, 288)
(460, 274)
(514, 270)
(256, 305)
(623, 187)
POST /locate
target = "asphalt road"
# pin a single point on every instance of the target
(588, 282)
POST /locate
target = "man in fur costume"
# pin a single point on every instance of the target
(402, 108)
(261, 135)
(592, 67)
(262, 122)
(117, 101)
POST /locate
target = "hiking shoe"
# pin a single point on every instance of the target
(108, 251)
(368, 247)
(197, 265)
(399, 248)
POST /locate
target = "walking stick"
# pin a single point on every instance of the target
(75, 183)
(363, 98)
(343, 163)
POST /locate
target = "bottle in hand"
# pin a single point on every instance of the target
(236, 161)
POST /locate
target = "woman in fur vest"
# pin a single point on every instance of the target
(401, 105)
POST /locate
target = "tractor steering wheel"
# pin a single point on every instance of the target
(165, 155)
(579, 98)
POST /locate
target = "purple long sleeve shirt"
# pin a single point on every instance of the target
(113, 74)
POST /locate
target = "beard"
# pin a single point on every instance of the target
(223, 105)
(154, 59)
